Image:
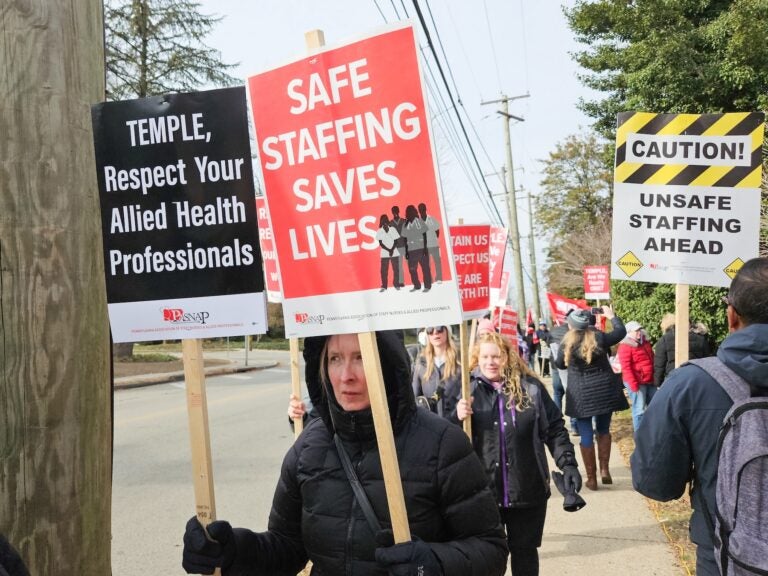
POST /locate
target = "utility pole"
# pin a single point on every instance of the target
(55, 398)
(532, 254)
(514, 231)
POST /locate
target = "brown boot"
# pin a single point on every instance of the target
(604, 455)
(588, 455)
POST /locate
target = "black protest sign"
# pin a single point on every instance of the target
(177, 197)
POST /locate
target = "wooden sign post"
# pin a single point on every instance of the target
(298, 423)
(378, 396)
(199, 435)
(384, 438)
(465, 387)
(681, 323)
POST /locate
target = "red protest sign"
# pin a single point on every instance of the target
(596, 282)
(496, 248)
(472, 260)
(501, 299)
(346, 155)
(267, 243)
(508, 321)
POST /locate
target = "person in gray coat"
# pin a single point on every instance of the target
(677, 442)
(593, 388)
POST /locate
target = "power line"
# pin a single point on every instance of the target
(450, 95)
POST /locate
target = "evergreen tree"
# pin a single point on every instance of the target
(157, 46)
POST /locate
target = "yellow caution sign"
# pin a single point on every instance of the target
(629, 264)
(723, 150)
(733, 268)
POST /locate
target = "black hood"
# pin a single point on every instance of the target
(358, 425)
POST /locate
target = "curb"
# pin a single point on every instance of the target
(128, 382)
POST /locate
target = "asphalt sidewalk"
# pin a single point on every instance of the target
(615, 533)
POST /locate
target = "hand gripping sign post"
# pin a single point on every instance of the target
(181, 249)
(359, 223)
(686, 203)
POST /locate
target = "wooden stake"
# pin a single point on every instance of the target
(298, 423)
(199, 436)
(465, 389)
(391, 469)
(681, 323)
(389, 465)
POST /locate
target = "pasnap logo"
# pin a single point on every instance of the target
(172, 314)
(304, 318)
(178, 316)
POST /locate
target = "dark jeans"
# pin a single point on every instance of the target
(394, 262)
(557, 390)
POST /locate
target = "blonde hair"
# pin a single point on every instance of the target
(512, 368)
(667, 322)
(451, 366)
(583, 340)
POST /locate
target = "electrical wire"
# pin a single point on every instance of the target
(450, 95)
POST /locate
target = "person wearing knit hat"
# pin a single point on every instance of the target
(485, 326)
(594, 390)
(579, 319)
(636, 358)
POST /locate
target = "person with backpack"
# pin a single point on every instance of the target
(681, 441)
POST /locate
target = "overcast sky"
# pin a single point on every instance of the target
(492, 47)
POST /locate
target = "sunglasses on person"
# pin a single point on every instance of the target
(727, 302)
(435, 329)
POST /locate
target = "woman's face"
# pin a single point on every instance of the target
(346, 372)
(437, 336)
(489, 360)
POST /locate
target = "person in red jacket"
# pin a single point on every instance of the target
(636, 359)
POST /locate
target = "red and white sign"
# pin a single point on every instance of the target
(496, 249)
(267, 243)
(597, 282)
(472, 258)
(346, 154)
(501, 299)
(560, 305)
(508, 321)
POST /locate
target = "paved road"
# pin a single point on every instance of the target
(152, 487)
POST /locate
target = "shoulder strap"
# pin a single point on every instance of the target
(736, 387)
(357, 488)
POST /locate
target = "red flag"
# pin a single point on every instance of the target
(529, 317)
(560, 305)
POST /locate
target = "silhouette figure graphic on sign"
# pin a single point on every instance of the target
(390, 255)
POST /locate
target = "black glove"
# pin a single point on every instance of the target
(202, 555)
(414, 558)
(571, 478)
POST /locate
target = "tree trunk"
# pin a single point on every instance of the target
(55, 421)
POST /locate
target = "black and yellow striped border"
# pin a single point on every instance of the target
(730, 124)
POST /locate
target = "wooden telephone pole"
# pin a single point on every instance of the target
(514, 232)
(55, 421)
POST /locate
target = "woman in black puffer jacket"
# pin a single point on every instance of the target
(451, 512)
(594, 390)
